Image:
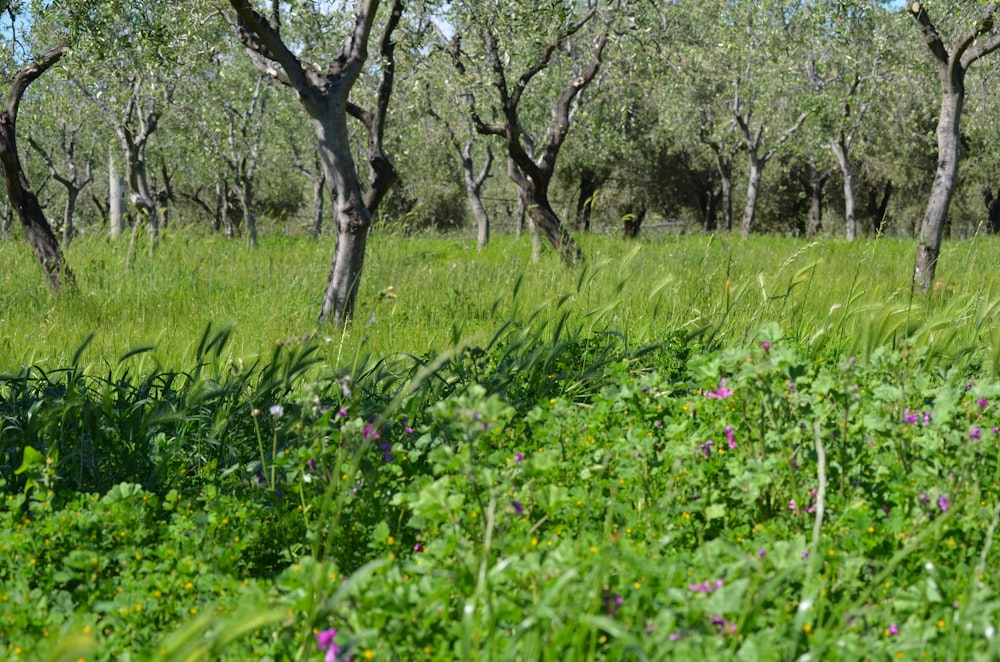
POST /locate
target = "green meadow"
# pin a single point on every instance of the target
(692, 446)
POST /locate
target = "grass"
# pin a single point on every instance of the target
(692, 447)
(422, 295)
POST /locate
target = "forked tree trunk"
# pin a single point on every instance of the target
(22, 198)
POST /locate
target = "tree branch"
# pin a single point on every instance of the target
(27, 75)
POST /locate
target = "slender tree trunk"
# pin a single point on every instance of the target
(245, 194)
(585, 201)
(633, 221)
(480, 214)
(5, 219)
(71, 196)
(726, 184)
(753, 188)
(840, 150)
(945, 177)
(116, 200)
(992, 211)
(546, 220)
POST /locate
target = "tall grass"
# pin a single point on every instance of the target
(422, 295)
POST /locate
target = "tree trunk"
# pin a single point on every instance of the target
(840, 150)
(115, 200)
(945, 177)
(546, 220)
(480, 214)
(753, 188)
(726, 184)
(319, 197)
(67, 230)
(22, 198)
(585, 201)
(351, 215)
(633, 221)
(992, 211)
(245, 194)
(813, 181)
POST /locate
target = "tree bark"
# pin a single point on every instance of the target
(633, 221)
(992, 211)
(19, 192)
(813, 181)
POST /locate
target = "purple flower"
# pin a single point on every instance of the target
(730, 437)
(342, 413)
(612, 603)
(761, 553)
(409, 430)
(370, 433)
(324, 642)
(706, 448)
(927, 418)
(518, 507)
(995, 430)
(943, 503)
(805, 554)
(924, 499)
(983, 402)
(311, 464)
(910, 419)
(720, 393)
(518, 457)
(975, 434)
(418, 548)
(705, 587)
(766, 345)
(893, 630)
(387, 451)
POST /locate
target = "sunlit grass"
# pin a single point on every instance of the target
(421, 295)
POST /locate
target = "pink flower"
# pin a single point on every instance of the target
(720, 393)
(730, 437)
(325, 642)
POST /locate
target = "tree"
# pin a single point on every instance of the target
(534, 168)
(972, 43)
(74, 181)
(324, 95)
(19, 192)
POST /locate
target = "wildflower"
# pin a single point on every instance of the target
(927, 418)
(924, 499)
(910, 418)
(975, 434)
(277, 411)
(518, 507)
(311, 464)
(893, 630)
(720, 393)
(761, 553)
(342, 413)
(386, 450)
(408, 430)
(943, 503)
(791, 506)
(730, 437)
(418, 548)
(518, 457)
(706, 448)
(612, 603)
(995, 430)
(983, 402)
(324, 642)
(705, 587)
(766, 345)
(658, 425)
(805, 554)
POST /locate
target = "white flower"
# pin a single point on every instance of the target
(277, 411)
